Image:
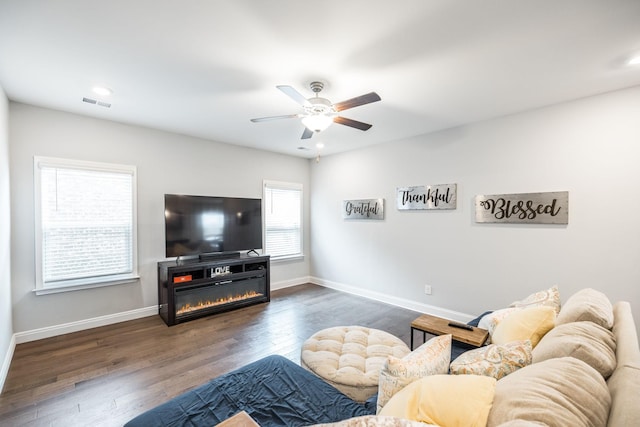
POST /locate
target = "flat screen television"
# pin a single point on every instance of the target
(196, 225)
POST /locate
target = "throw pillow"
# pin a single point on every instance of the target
(445, 400)
(586, 341)
(525, 324)
(549, 297)
(587, 305)
(557, 392)
(431, 358)
(494, 360)
(491, 320)
(374, 421)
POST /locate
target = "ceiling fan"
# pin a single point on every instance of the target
(319, 112)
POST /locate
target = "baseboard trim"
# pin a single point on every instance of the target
(398, 302)
(7, 362)
(80, 325)
(289, 283)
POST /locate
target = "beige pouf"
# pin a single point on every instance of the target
(350, 357)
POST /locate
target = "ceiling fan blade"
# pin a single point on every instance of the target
(353, 123)
(357, 101)
(295, 95)
(266, 119)
(307, 133)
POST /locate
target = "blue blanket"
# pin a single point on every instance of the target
(274, 391)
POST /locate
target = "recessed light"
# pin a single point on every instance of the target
(102, 90)
(319, 145)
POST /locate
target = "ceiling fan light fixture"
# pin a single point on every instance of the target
(317, 122)
(102, 90)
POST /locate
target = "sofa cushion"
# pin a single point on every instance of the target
(431, 358)
(526, 324)
(586, 341)
(445, 400)
(493, 360)
(548, 297)
(587, 305)
(557, 392)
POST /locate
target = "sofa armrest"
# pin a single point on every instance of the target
(624, 329)
(624, 383)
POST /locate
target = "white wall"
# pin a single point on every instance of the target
(6, 324)
(166, 163)
(590, 148)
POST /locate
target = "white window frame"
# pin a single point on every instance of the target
(43, 288)
(280, 185)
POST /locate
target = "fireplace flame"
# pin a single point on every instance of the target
(201, 305)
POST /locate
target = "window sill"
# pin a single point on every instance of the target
(85, 284)
(287, 258)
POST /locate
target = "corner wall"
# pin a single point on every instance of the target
(7, 343)
(589, 147)
(166, 163)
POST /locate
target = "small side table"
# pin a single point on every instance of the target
(439, 326)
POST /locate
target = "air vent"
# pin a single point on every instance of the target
(96, 102)
(302, 148)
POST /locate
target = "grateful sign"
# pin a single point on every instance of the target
(363, 209)
(527, 208)
(426, 197)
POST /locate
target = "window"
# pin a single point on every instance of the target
(282, 219)
(85, 224)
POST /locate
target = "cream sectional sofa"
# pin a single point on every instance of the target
(583, 369)
(581, 395)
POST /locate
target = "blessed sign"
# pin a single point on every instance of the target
(363, 209)
(442, 196)
(531, 208)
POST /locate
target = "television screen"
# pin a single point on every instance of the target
(197, 225)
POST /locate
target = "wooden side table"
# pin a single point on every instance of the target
(439, 326)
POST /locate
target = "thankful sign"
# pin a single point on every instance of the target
(423, 197)
(531, 208)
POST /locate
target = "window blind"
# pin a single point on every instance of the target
(283, 219)
(87, 224)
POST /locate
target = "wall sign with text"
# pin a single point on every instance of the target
(363, 209)
(426, 197)
(526, 208)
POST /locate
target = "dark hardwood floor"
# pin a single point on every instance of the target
(106, 376)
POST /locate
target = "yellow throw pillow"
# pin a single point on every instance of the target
(490, 321)
(527, 324)
(445, 400)
(431, 358)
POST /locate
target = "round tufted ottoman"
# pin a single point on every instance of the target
(350, 357)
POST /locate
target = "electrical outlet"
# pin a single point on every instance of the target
(427, 289)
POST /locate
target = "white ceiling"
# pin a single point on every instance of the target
(205, 67)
